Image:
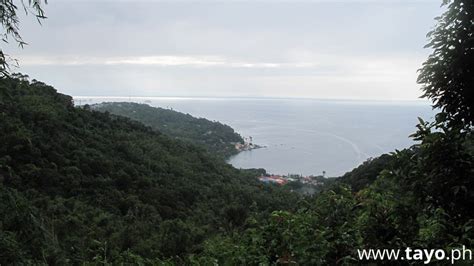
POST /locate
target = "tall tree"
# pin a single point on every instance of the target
(441, 168)
(447, 75)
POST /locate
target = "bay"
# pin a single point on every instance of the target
(302, 136)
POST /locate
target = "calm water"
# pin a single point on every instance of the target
(303, 136)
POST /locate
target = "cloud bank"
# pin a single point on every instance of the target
(314, 49)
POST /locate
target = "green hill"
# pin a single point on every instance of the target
(366, 173)
(217, 138)
(83, 186)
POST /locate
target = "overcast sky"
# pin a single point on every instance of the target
(315, 49)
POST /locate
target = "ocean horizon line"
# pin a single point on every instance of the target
(354, 100)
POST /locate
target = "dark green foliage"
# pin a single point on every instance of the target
(215, 137)
(447, 75)
(366, 173)
(327, 229)
(330, 227)
(441, 167)
(80, 185)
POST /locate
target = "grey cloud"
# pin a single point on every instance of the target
(229, 47)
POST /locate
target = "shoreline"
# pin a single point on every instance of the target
(247, 147)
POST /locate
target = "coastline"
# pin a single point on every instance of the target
(246, 146)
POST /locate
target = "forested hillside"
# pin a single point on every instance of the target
(81, 186)
(217, 138)
(366, 173)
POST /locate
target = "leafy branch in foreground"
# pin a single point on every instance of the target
(11, 27)
(447, 75)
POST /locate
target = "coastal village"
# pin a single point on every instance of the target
(282, 179)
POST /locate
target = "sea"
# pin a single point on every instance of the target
(302, 136)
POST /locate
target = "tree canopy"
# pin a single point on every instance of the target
(82, 186)
(447, 76)
(217, 138)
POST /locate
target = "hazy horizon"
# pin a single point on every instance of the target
(188, 97)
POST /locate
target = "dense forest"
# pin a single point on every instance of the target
(78, 186)
(217, 138)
